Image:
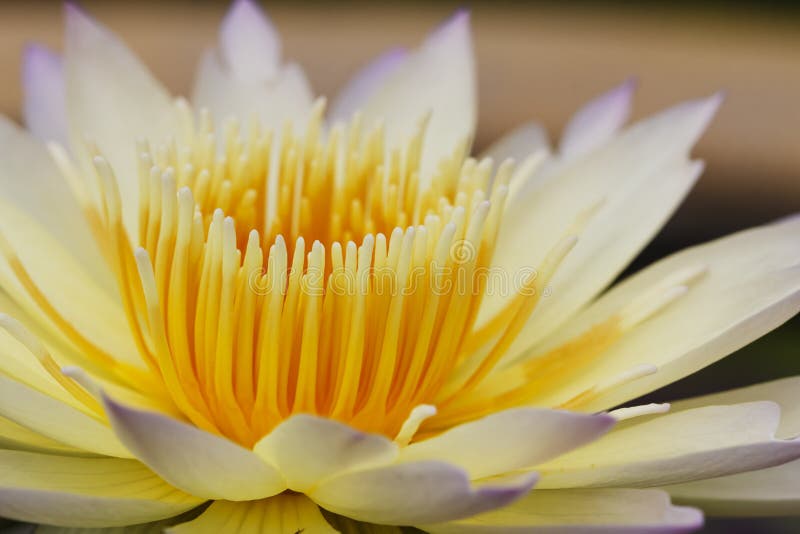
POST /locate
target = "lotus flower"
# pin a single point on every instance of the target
(247, 314)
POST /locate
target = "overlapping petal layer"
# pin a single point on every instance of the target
(85, 492)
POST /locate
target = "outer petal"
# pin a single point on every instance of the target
(690, 445)
(243, 76)
(765, 492)
(84, 492)
(634, 184)
(519, 143)
(751, 286)
(785, 392)
(770, 491)
(249, 43)
(200, 463)
(283, 514)
(610, 511)
(439, 78)
(510, 440)
(112, 100)
(44, 108)
(287, 97)
(366, 82)
(56, 420)
(308, 449)
(154, 527)
(597, 122)
(415, 493)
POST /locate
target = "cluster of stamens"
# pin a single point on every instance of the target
(317, 273)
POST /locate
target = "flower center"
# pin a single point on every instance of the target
(339, 283)
(315, 274)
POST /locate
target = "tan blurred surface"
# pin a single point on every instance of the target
(533, 63)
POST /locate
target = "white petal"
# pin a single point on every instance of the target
(519, 143)
(597, 122)
(637, 180)
(366, 82)
(249, 43)
(283, 514)
(751, 286)
(438, 78)
(510, 440)
(414, 493)
(191, 459)
(609, 511)
(243, 76)
(770, 491)
(56, 420)
(84, 492)
(690, 445)
(113, 100)
(307, 449)
(765, 492)
(287, 97)
(44, 108)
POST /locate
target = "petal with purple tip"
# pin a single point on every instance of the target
(84, 492)
(438, 78)
(630, 186)
(598, 121)
(113, 100)
(307, 449)
(191, 459)
(249, 43)
(415, 493)
(666, 449)
(44, 107)
(352, 96)
(510, 440)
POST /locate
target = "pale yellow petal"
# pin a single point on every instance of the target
(605, 511)
(631, 185)
(56, 420)
(509, 440)
(666, 449)
(308, 449)
(765, 492)
(192, 459)
(415, 492)
(750, 285)
(84, 492)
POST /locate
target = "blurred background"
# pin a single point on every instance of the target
(541, 60)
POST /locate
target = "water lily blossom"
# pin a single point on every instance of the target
(252, 311)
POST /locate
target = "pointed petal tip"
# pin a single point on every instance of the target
(626, 88)
(81, 27)
(74, 14)
(509, 489)
(38, 59)
(709, 105)
(459, 22)
(243, 9)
